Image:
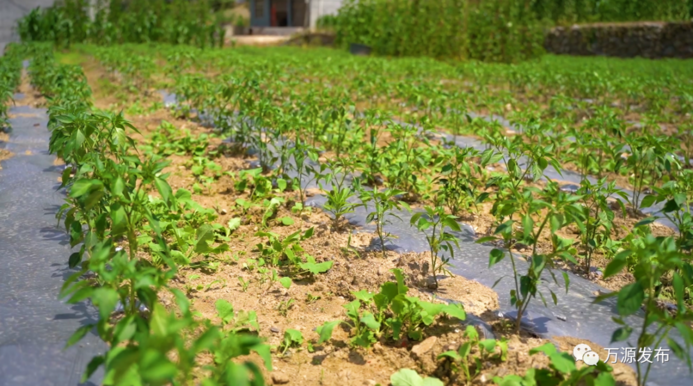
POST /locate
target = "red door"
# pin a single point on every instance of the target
(273, 15)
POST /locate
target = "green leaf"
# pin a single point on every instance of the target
(78, 335)
(206, 341)
(527, 226)
(66, 176)
(94, 364)
(485, 239)
(671, 206)
(286, 220)
(292, 337)
(646, 221)
(408, 377)
(430, 381)
(452, 224)
(363, 295)
(617, 264)
(369, 320)
(154, 366)
(621, 334)
(648, 201)
(158, 322)
(164, 189)
(401, 288)
(630, 299)
(224, 310)
(285, 282)
(488, 344)
(604, 379)
(566, 280)
(236, 374)
(119, 221)
(679, 351)
(325, 331)
(449, 354)
(308, 233)
(75, 258)
(454, 310)
(204, 235)
(84, 186)
(263, 350)
(316, 268)
(513, 380)
(563, 362)
(495, 256)
(547, 348)
(389, 290)
(600, 298)
(118, 186)
(679, 291)
(105, 299)
(234, 223)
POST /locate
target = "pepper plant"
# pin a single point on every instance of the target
(654, 257)
(435, 219)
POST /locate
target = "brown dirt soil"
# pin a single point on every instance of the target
(311, 301)
(5, 154)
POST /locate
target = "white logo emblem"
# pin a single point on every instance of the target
(583, 352)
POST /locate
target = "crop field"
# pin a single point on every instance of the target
(249, 216)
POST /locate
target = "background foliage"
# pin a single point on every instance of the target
(490, 30)
(123, 21)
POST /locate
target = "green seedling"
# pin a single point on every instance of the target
(655, 258)
(562, 370)
(408, 377)
(284, 306)
(383, 204)
(389, 314)
(470, 364)
(237, 321)
(244, 284)
(439, 240)
(292, 338)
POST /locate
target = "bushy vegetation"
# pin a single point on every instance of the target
(10, 65)
(495, 30)
(569, 11)
(124, 21)
(489, 30)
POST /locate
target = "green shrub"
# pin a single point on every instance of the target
(489, 30)
(497, 30)
(121, 21)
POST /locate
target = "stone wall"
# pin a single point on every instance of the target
(626, 40)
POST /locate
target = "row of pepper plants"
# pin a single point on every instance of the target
(314, 106)
(10, 75)
(109, 214)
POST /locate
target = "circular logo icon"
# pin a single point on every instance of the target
(580, 350)
(590, 358)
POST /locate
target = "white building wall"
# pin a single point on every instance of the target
(322, 7)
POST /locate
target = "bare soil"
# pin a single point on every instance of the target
(5, 154)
